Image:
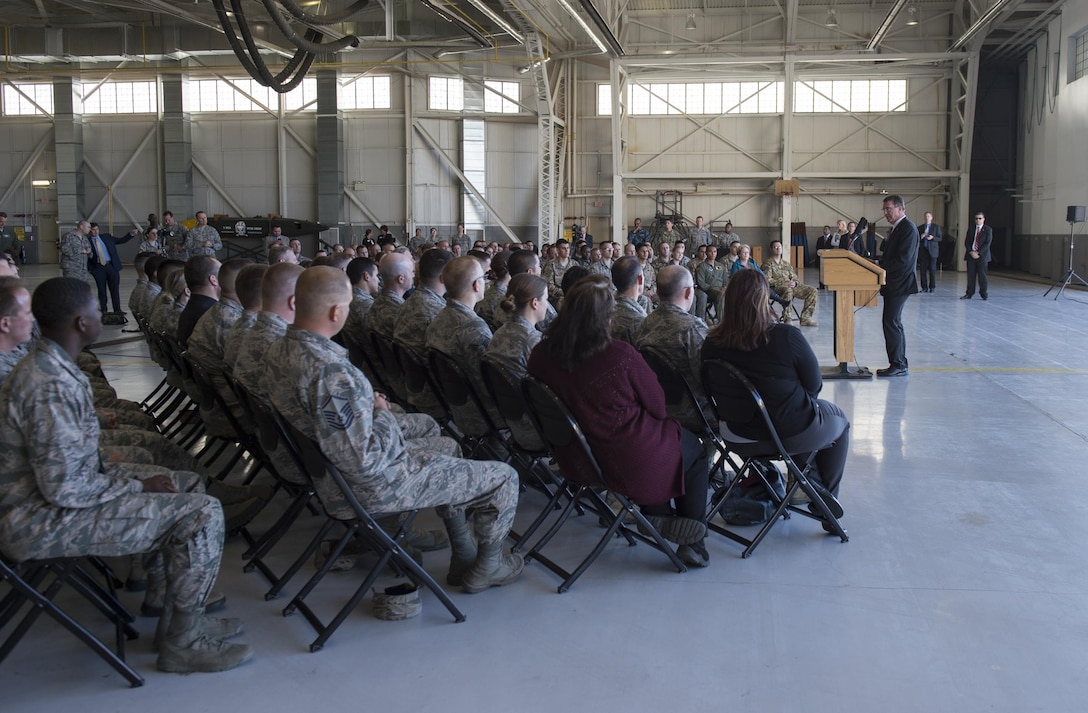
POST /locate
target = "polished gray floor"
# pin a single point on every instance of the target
(962, 587)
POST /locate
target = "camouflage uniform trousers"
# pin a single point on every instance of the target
(181, 532)
(453, 486)
(801, 291)
(164, 452)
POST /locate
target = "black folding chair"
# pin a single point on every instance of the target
(734, 397)
(28, 585)
(583, 479)
(358, 522)
(417, 380)
(680, 398)
(390, 370)
(466, 406)
(528, 452)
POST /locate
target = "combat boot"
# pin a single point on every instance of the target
(187, 649)
(214, 628)
(462, 549)
(493, 568)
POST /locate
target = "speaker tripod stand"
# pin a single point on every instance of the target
(1070, 274)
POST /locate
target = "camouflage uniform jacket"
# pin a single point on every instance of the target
(209, 336)
(164, 314)
(699, 236)
(779, 273)
(461, 334)
(512, 344)
(176, 239)
(659, 262)
(8, 360)
(135, 298)
(419, 310)
(355, 326)
(710, 276)
(669, 238)
(383, 315)
(234, 339)
(553, 273)
(649, 277)
(627, 318)
(331, 401)
(254, 370)
(489, 307)
(49, 444)
(194, 243)
(678, 336)
(153, 247)
(73, 261)
(601, 267)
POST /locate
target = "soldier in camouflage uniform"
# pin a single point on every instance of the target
(330, 401)
(664, 255)
(488, 307)
(629, 314)
(417, 313)
(397, 276)
(365, 284)
(203, 239)
(649, 278)
(58, 499)
(783, 280)
(460, 333)
(175, 236)
(598, 265)
(677, 336)
(208, 340)
(527, 304)
(699, 236)
(556, 269)
(248, 288)
(710, 279)
(75, 249)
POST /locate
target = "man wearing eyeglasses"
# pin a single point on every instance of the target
(899, 259)
(977, 255)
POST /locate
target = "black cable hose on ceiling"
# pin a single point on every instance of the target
(331, 19)
(256, 67)
(265, 77)
(301, 43)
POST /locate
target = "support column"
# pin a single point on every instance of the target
(177, 147)
(330, 149)
(68, 138)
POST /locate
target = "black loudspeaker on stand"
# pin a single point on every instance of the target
(1073, 214)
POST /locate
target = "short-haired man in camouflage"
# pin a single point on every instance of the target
(417, 313)
(75, 250)
(461, 334)
(208, 340)
(203, 239)
(57, 498)
(628, 316)
(397, 273)
(677, 335)
(248, 288)
(330, 401)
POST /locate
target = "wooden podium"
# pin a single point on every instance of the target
(856, 283)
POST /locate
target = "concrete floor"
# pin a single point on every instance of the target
(962, 586)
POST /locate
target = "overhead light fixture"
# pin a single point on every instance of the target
(691, 22)
(41, 183)
(912, 16)
(831, 20)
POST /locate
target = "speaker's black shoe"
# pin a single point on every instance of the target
(892, 371)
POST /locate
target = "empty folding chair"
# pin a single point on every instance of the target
(733, 395)
(583, 479)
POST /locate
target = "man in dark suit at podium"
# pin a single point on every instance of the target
(977, 244)
(105, 265)
(899, 260)
(930, 249)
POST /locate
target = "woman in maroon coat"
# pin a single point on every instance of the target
(619, 403)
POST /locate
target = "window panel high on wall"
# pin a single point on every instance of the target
(758, 97)
(221, 95)
(451, 94)
(27, 99)
(364, 92)
(121, 98)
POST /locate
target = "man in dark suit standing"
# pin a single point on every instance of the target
(105, 265)
(977, 256)
(899, 260)
(928, 252)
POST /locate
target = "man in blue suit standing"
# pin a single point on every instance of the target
(977, 255)
(899, 260)
(105, 265)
